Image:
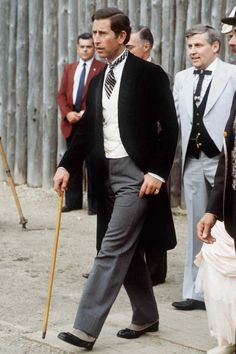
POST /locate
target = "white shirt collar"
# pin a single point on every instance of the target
(88, 62)
(212, 66)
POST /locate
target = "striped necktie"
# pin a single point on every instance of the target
(110, 78)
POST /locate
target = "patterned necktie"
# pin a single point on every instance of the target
(79, 94)
(110, 78)
(201, 73)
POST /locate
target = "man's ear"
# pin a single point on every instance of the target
(146, 46)
(121, 37)
(216, 47)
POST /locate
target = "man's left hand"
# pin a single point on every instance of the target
(204, 227)
(151, 185)
(61, 179)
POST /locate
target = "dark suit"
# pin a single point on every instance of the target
(144, 100)
(222, 202)
(74, 194)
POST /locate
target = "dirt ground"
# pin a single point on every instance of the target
(25, 260)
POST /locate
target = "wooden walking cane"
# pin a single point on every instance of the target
(11, 182)
(55, 245)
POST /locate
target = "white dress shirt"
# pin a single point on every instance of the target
(206, 81)
(78, 73)
(112, 142)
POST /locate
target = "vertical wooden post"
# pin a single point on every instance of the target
(20, 168)
(4, 32)
(49, 92)
(35, 95)
(11, 101)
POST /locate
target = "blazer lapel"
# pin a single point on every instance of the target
(188, 91)
(92, 72)
(71, 82)
(99, 97)
(127, 85)
(218, 84)
(72, 72)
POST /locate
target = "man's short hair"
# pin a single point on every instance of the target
(145, 34)
(85, 35)
(119, 21)
(212, 34)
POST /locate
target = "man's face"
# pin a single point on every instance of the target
(107, 43)
(201, 53)
(136, 46)
(85, 49)
(232, 41)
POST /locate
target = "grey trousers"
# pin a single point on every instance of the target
(120, 260)
(198, 181)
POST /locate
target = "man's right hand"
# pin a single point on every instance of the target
(61, 179)
(73, 117)
(204, 227)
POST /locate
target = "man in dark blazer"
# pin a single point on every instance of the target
(124, 104)
(222, 202)
(72, 106)
(140, 44)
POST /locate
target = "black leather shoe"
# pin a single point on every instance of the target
(74, 340)
(132, 334)
(189, 304)
(66, 209)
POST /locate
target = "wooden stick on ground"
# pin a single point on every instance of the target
(11, 182)
(54, 255)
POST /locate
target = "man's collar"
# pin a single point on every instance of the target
(86, 61)
(212, 66)
(113, 61)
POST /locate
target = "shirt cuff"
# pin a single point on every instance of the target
(157, 177)
(62, 168)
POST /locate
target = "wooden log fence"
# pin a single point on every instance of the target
(38, 37)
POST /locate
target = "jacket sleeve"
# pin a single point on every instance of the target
(167, 137)
(176, 89)
(62, 96)
(83, 139)
(223, 179)
(215, 203)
